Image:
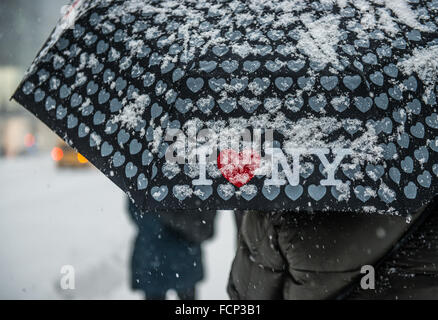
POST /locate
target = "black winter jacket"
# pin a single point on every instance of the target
(292, 256)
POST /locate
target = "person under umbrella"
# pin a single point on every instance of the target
(290, 106)
(167, 252)
(286, 255)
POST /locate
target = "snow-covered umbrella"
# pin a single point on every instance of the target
(269, 105)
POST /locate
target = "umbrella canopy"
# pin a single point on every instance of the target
(268, 105)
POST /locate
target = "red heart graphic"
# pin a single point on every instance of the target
(238, 168)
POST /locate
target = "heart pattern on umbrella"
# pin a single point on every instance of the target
(130, 71)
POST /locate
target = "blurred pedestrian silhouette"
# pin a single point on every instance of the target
(167, 252)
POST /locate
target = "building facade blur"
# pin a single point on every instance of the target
(24, 26)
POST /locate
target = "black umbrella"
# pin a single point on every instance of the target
(269, 105)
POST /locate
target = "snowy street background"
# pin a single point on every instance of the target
(51, 217)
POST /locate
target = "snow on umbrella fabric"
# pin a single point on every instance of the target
(339, 96)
